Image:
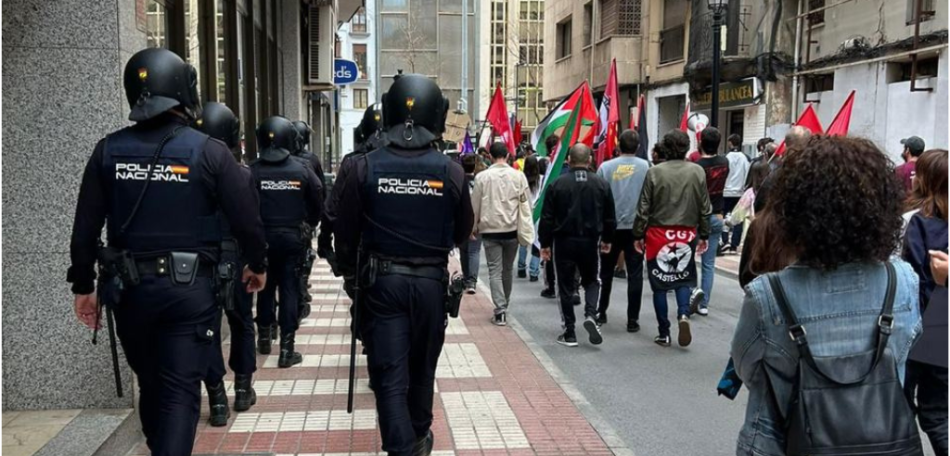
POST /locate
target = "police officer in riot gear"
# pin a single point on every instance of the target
(404, 207)
(158, 186)
(302, 149)
(369, 137)
(291, 203)
(219, 122)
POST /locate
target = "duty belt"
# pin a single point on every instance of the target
(425, 272)
(161, 266)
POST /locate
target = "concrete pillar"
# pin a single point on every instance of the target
(293, 103)
(62, 90)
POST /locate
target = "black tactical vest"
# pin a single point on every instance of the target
(282, 187)
(409, 205)
(177, 212)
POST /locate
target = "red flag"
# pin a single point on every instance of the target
(588, 117)
(684, 122)
(498, 118)
(809, 120)
(839, 126)
(517, 132)
(609, 117)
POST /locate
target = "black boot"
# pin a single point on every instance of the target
(264, 339)
(218, 399)
(423, 446)
(244, 395)
(274, 330)
(288, 357)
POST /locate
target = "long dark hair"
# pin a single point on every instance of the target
(930, 185)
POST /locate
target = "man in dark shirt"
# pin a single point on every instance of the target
(578, 222)
(717, 170)
(913, 148)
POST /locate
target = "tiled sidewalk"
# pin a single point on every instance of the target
(493, 397)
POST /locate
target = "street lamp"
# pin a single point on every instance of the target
(718, 8)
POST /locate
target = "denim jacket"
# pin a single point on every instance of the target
(839, 309)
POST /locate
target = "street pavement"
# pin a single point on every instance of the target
(658, 401)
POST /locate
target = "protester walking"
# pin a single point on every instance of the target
(735, 188)
(625, 175)
(926, 237)
(529, 261)
(913, 147)
(717, 172)
(470, 251)
(577, 223)
(671, 228)
(500, 198)
(551, 144)
(813, 335)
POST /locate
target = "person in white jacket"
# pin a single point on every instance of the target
(735, 187)
(497, 199)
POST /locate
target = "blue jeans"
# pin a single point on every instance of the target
(534, 268)
(662, 308)
(469, 257)
(709, 258)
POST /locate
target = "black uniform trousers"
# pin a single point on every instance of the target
(167, 333)
(403, 324)
(926, 388)
(577, 255)
(242, 358)
(285, 254)
(623, 243)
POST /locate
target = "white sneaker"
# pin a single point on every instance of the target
(703, 311)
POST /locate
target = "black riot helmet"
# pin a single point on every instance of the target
(157, 80)
(303, 136)
(414, 112)
(276, 138)
(219, 122)
(372, 122)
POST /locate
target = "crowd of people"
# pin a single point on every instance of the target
(856, 259)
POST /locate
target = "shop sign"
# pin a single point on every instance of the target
(345, 72)
(746, 92)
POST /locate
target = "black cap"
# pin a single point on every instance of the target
(414, 112)
(157, 80)
(276, 137)
(219, 122)
(915, 144)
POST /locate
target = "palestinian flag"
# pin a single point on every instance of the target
(572, 128)
(556, 120)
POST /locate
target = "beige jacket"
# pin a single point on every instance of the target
(496, 198)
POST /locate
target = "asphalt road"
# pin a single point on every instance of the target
(660, 401)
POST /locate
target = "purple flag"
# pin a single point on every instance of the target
(467, 147)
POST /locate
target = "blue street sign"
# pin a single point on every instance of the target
(345, 72)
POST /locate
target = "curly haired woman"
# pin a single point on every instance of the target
(838, 237)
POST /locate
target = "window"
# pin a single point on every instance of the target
(820, 83)
(816, 17)
(588, 22)
(358, 23)
(359, 56)
(360, 98)
(156, 16)
(563, 46)
(901, 71)
(192, 42)
(629, 17)
(337, 48)
(927, 11)
(394, 5)
(673, 35)
(220, 57)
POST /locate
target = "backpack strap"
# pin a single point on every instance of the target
(796, 331)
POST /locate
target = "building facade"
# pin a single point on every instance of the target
(425, 37)
(357, 42)
(62, 87)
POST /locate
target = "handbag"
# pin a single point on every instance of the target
(525, 223)
(848, 404)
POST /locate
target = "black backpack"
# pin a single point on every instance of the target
(850, 404)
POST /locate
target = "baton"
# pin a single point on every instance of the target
(353, 329)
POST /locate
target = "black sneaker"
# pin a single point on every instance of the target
(620, 274)
(470, 290)
(594, 331)
(548, 293)
(663, 341)
(522, 274)
(567, 339)
(696, 299)
(533, 279)
(423, 446)
(500, 320)
(633, 326)
(685, 336)
(576, 299)
(601, 319)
